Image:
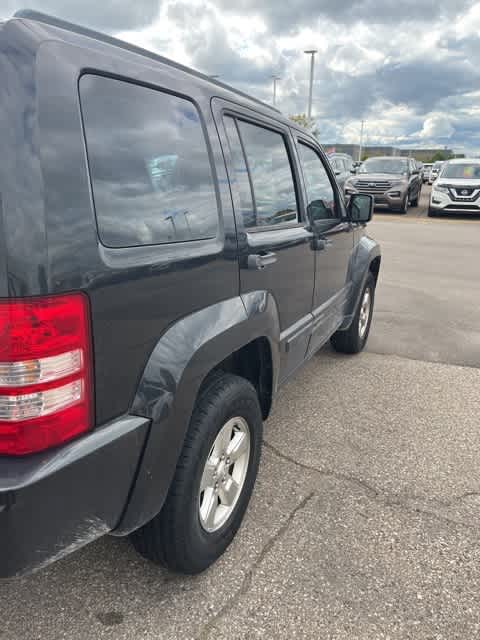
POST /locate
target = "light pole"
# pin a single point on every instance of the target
(275, 78)
(361, 142)
(311, 53)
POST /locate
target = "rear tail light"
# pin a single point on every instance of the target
(45, 372)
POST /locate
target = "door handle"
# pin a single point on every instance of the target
(261, 260)
(320, 244)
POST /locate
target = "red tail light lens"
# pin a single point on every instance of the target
(45, 372)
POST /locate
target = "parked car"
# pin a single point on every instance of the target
(434, 171)
(393, 181)
(457, 188)
(342, 165)
(426, 172)
(172, 261)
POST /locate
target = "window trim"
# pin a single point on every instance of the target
(99, 73)
(339, 201)
(284, 131)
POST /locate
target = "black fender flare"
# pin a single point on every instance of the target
(167, 391)
(366, 251)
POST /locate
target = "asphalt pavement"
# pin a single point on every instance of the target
(365, 520)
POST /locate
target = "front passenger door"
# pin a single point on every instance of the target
(333, 243)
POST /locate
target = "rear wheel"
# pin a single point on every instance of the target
(354, 339)
(213, 482)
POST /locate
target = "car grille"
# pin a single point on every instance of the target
(465, 193)
(373, 186)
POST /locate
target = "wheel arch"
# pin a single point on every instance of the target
(365, 259)
(219, 337)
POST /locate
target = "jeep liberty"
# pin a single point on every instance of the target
(172, 251)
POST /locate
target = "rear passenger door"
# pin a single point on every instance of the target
(275, 246)
(333, 241)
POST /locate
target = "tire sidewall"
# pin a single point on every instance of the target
(239, 401)
(369, 284)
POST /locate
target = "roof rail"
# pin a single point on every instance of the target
(37, 16)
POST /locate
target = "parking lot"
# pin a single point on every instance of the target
(365, 519)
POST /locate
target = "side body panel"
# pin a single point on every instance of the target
(135, 292)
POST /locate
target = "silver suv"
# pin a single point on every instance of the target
(393, 182)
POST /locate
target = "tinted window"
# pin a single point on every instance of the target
(150, 170)
(271, 175)
(384, 165)
(320, 194)
(241, 174)
(467, 171)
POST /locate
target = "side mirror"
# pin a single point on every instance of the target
(353, 170)
(337, 172)
(360, 207)
(415, 172)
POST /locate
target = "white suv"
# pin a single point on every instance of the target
(457, 188)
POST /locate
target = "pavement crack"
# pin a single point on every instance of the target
(324, 472)
(464, 496)
(389, 500)
(247, 580)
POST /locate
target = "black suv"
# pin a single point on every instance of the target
(172, 251)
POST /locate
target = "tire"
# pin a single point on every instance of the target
(404, 208)
(353, 340)
(178, 538)
(417, 198)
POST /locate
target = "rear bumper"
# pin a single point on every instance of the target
(54, 503)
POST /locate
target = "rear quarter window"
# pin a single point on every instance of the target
(150, 169)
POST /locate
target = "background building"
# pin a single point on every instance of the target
(424, 155)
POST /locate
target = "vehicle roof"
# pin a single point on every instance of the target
(68, 31)
(388, 158)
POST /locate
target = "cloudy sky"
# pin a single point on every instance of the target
(409, 68)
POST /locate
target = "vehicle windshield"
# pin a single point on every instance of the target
(384, 165)
(438, 165)
(463, 171)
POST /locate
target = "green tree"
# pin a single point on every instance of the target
(302, 120)
(438, 156)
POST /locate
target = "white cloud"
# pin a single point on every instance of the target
(438, 125)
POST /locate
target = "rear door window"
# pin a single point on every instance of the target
(271, 176)
(150, 169)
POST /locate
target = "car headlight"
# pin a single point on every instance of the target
(437, 187)
(398, 183)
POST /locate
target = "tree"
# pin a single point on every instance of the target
(302, 120)
(438, 156)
